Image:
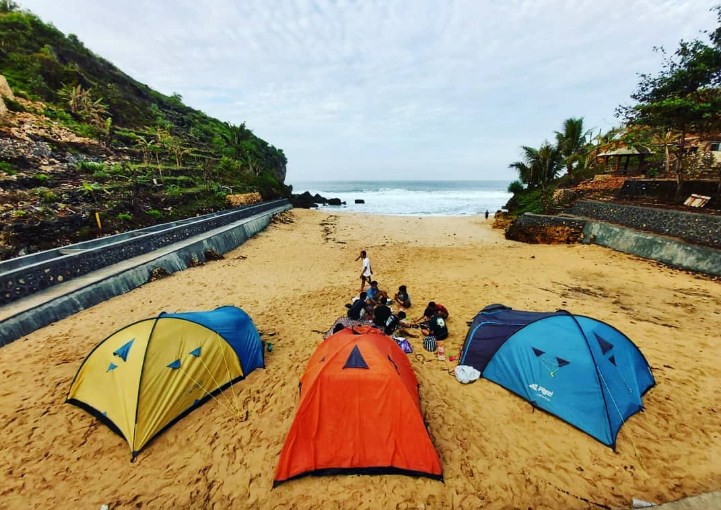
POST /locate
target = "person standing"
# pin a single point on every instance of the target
(486, 213)
(366, 270)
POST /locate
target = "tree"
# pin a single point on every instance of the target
(538, 166)
(685, 96)
(572, 143)
(8, 6)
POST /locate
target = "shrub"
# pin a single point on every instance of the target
(154, 213)
(91, 166)
(7, 168)
(13, 105)
(228, 165)
(47, 196)
(173, 191)
(19, 213)
(515, 187)
(125, 216)
(84, 130)
(42, 177)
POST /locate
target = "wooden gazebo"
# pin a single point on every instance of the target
(619, 160)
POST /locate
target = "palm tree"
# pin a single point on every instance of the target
(538, 166)
(525, 167)
(572, 143)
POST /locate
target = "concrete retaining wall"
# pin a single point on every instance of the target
(110, 282)
(663, 249)
(692, 227)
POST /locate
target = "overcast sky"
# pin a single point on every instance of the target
(392, 89)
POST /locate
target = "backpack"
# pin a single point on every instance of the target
(429, 343)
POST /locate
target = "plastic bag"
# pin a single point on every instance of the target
(466, 374)
(404, 344)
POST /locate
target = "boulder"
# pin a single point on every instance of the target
(360, 201)
(564, 196)
(5, 90)
(334, 201)
(243, 199)
(303, 201)
(3, 108)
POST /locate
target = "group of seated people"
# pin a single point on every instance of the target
(375, 305)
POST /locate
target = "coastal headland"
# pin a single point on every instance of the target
(293, 279)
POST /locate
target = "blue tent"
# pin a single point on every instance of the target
(580, 369)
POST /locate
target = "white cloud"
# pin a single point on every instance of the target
(402, 89)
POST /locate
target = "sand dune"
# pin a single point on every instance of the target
(293, 279)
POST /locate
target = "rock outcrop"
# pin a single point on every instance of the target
(5, 92)
(543, 234)
(307, 201)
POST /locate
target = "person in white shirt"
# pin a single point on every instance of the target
(366, 270)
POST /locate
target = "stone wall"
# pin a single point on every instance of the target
(691, 227)
(541, 220)
(666, 189)
(25, 280)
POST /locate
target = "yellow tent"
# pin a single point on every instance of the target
(144, 377)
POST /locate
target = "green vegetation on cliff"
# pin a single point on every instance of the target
(100, 141)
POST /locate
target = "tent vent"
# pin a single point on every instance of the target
(605, 345)
(124, 350)
(355, 359)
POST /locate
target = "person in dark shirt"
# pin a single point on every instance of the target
(357, 308)
(402, 297)
(381, 314)
(394, 322)
(435, 327)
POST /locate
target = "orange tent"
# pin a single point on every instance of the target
(359, 412)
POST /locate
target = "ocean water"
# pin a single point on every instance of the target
(412, 198)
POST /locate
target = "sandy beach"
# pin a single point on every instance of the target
(293, 279)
